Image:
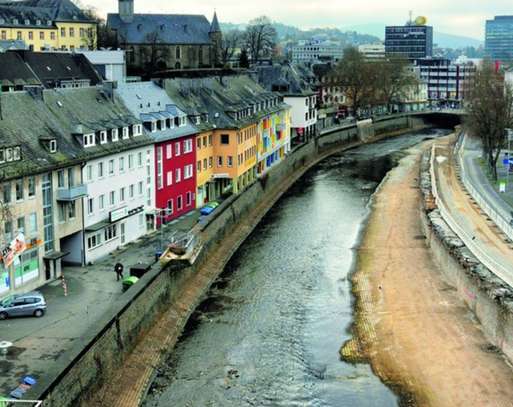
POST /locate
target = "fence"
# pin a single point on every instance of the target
(20, 403)
(498, 269)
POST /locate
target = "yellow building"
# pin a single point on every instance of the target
(205, 188)
(43, 25)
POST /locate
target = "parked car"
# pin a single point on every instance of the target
(209, 208)
(20, 305)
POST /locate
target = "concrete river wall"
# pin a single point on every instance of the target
(90, 363)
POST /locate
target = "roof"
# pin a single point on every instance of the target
(14, 71)
(287, 79)
(53, 67)
(43, 10)
(6, 45)
(26, 120)
(162, 29)
(149, 102)
(219, 98)
(214, 27)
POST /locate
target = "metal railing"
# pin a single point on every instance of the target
(20, 403)
(498, 269)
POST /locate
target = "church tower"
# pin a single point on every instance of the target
(216, 38)
(126, 10)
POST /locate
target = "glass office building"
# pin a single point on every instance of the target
(409, 41)
(499, 38)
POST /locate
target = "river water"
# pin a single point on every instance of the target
(270, 331)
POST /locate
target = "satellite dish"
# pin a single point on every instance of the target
(421, 20)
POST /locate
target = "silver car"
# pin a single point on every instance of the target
(20, 305)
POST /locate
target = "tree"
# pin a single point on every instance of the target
(102, 36)
(357, 78)
(231, 41)
(244, 59)
(392, 80)
(260, 38)
(155, 54)
(490, 112)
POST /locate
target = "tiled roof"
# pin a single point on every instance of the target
(162, 29)
(14, 71)
(43, 10)
(285, 76)
(27, 120)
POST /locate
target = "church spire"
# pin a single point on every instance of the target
(214, 27)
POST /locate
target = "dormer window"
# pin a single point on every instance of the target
(38, 22)
(205, 117)
(103, 137)
(53, 146)
(170, 123)
(2, 155)
(15, 21)
(126, 132)
(27, 22)
(153, 126)
(89, 140)
(197, 120)
(115, 134)
(163, 124)
(137, 129)
(183, 121)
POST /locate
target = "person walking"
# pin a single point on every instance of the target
(118, 268)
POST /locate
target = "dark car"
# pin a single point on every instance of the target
(20, 305)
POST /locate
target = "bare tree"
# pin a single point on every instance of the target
(490, 112)
(155, 54)
(231, 41)
(101, 36)
(260, 38)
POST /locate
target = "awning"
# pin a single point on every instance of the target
(97, 226)
(55, 255)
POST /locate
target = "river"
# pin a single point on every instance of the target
(270, 331)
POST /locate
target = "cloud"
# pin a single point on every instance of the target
(460, 17)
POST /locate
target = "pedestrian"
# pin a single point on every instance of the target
(118, 268)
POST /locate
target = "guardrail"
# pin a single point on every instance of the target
(501, 222)
(20, 403)
(498, 269)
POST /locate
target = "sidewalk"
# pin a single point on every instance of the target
(91, 290)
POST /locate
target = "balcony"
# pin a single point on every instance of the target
(71, 193)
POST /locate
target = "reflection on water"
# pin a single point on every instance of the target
(270, 330)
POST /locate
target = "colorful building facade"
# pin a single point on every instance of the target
(273, 139)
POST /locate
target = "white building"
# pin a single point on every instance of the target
(120, 192)
(508, 77)
(372, 51)
(111, 64)
(317, 51)
(303, 114)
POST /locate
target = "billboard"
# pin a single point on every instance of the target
(12, 251)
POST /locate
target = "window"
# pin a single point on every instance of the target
(20, 224)
(178, 175)
(31, 186)
(90, 206)
(177, 149)
(30, 35)
(89, 172)
(160, 168)
(115, 134)
(72, 210)
(89, 140)
(140, 188)
(131, 191)
(130, 161)
(198, 166)
(101, 202)
(225, 139)
(187, 146)
(60, 179)
(62, 213)
(112, 198)
(170, 207)
(125, 133)
(188, 171)
(169, 152)
(220, 161)
(33, 223)
(4, 35)
(179, 202)
(210, 139)
(111, 232)
(139, 159)
(153, 127)
(137, 129)
(19, 36)
(63, 32)
(8, 230)
(82, 33)
(178, 53)
(121, 164)
(53, 146)
(210, 162)
(122, 194)
(169, 178)
(188, 199)
(100, 170)
(6, 198)
(111, 167)
(52, 36)
(94, 240)
(204, 163)
(103, 137)
(229, 161)
(19, 190)
(71, 32)
(198, 143)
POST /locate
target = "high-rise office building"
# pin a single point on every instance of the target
(411, 41)
(499, 38)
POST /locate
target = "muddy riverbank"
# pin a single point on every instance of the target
(411, 326)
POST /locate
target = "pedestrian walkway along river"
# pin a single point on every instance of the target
(270, 331)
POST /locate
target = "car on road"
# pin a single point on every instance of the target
(21, 305)
(209, 208)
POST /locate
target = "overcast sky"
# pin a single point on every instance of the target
(460, 17)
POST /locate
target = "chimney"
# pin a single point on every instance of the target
(108, 89)
(36, 91)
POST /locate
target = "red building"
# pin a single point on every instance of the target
(175, 176)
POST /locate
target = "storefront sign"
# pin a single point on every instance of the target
(118, 214)
(15, 248)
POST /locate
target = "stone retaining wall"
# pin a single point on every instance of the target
(489, 298)
(96, 355)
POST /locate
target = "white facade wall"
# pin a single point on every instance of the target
(132, 169)
(509, 78)
(301, 109)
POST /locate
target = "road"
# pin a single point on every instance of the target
(41, 343)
